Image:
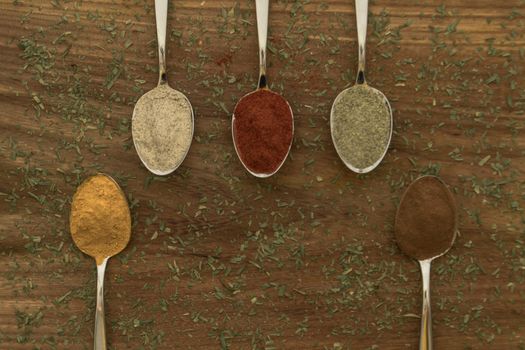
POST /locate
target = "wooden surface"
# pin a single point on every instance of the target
(221, 260)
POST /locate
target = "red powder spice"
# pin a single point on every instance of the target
(262, 130)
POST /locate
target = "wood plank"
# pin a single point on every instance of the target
(218, 259)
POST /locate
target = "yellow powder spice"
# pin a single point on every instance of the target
(100, 220)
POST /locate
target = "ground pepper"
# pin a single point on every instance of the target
(426, 219)
(162, 128)
(100, 220)
(262, 130)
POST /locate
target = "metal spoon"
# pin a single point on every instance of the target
(147, 143)
(405, 214)
(262, 9)
(361, 7)
(100, 212)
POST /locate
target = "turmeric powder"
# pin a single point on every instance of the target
(100, 220)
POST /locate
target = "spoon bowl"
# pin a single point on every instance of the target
(416, 217)
(88, 211)
(239, 125)
(364, 127)
(162, 148)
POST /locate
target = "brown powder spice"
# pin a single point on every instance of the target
(426, 219)
(100, 220)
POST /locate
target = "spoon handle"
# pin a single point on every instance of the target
(361, 15)
(161, 18)
(425, 340)
(100, 327)
(262, 9)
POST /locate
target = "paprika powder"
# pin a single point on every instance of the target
(262, 131)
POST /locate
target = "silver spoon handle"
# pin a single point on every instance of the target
(161, 18)
(262, 9)
(425, 340)
(361, 14)
(100, 326)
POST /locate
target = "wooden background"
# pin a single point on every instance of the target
(221, 260)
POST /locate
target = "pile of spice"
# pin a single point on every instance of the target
(100, 221)
(361, 124)
(262, 131)
(162, 128)
(426, 219)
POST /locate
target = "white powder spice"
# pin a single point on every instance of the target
(162, 128)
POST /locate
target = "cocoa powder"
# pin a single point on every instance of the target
(426, 219)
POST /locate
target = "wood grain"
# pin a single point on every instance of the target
(221, 260)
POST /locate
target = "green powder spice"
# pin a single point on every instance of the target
(361, 126)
